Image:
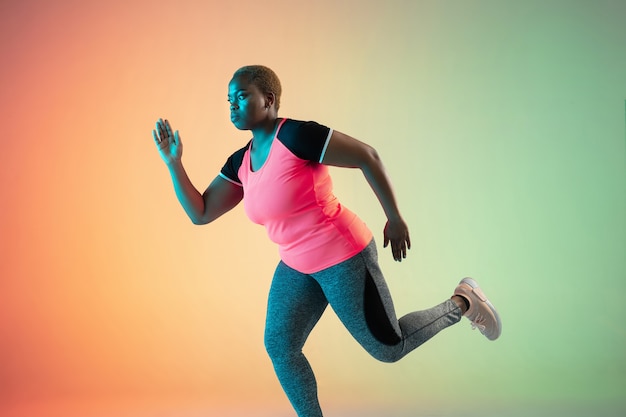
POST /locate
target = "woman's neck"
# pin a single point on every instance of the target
(265, 131)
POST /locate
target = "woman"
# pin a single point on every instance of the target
(328, 255)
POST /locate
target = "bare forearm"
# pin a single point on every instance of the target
(377, 177)
(188, 196)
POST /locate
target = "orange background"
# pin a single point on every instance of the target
(502, 126)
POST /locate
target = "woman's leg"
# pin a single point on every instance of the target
(358, 293)
(295, 304)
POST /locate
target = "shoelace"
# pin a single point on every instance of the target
(478, 323)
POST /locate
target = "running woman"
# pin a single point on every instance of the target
(328, 255)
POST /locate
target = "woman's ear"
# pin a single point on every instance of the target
(270, 98)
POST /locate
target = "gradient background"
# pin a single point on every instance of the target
(501, 124)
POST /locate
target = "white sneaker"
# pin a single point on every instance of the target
(481, 312)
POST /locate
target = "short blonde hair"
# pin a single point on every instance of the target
(264, 78)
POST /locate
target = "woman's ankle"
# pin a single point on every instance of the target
(462, 302)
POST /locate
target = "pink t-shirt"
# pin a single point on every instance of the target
(292, 197)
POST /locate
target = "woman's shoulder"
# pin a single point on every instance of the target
(298, 123)
(298, 129)
(305, 139)
(230, 170)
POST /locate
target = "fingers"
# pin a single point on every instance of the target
(168, 129)
(398, 251)
(158, 132)
(399, 248)
(163, 131)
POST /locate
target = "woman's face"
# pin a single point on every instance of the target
(247, 104)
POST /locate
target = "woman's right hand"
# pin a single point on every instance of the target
(168, 144)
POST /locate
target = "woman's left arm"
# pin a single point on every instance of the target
(345, 151)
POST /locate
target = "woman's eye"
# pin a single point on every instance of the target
(239, 98)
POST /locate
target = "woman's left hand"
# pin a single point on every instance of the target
(397, 232)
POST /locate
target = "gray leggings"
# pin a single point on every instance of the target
(357, 292)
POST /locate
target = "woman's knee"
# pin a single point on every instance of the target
(279, 346)
(272, 346)
(387, 358)
(383, 352)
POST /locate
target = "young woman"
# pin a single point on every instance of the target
(328, 255)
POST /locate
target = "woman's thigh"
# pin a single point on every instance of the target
(295, 304)
(358, 294)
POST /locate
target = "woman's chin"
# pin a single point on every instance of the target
(239, 124)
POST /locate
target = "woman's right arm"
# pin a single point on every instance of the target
(219, 197)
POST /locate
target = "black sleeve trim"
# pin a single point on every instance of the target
(231, 168)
